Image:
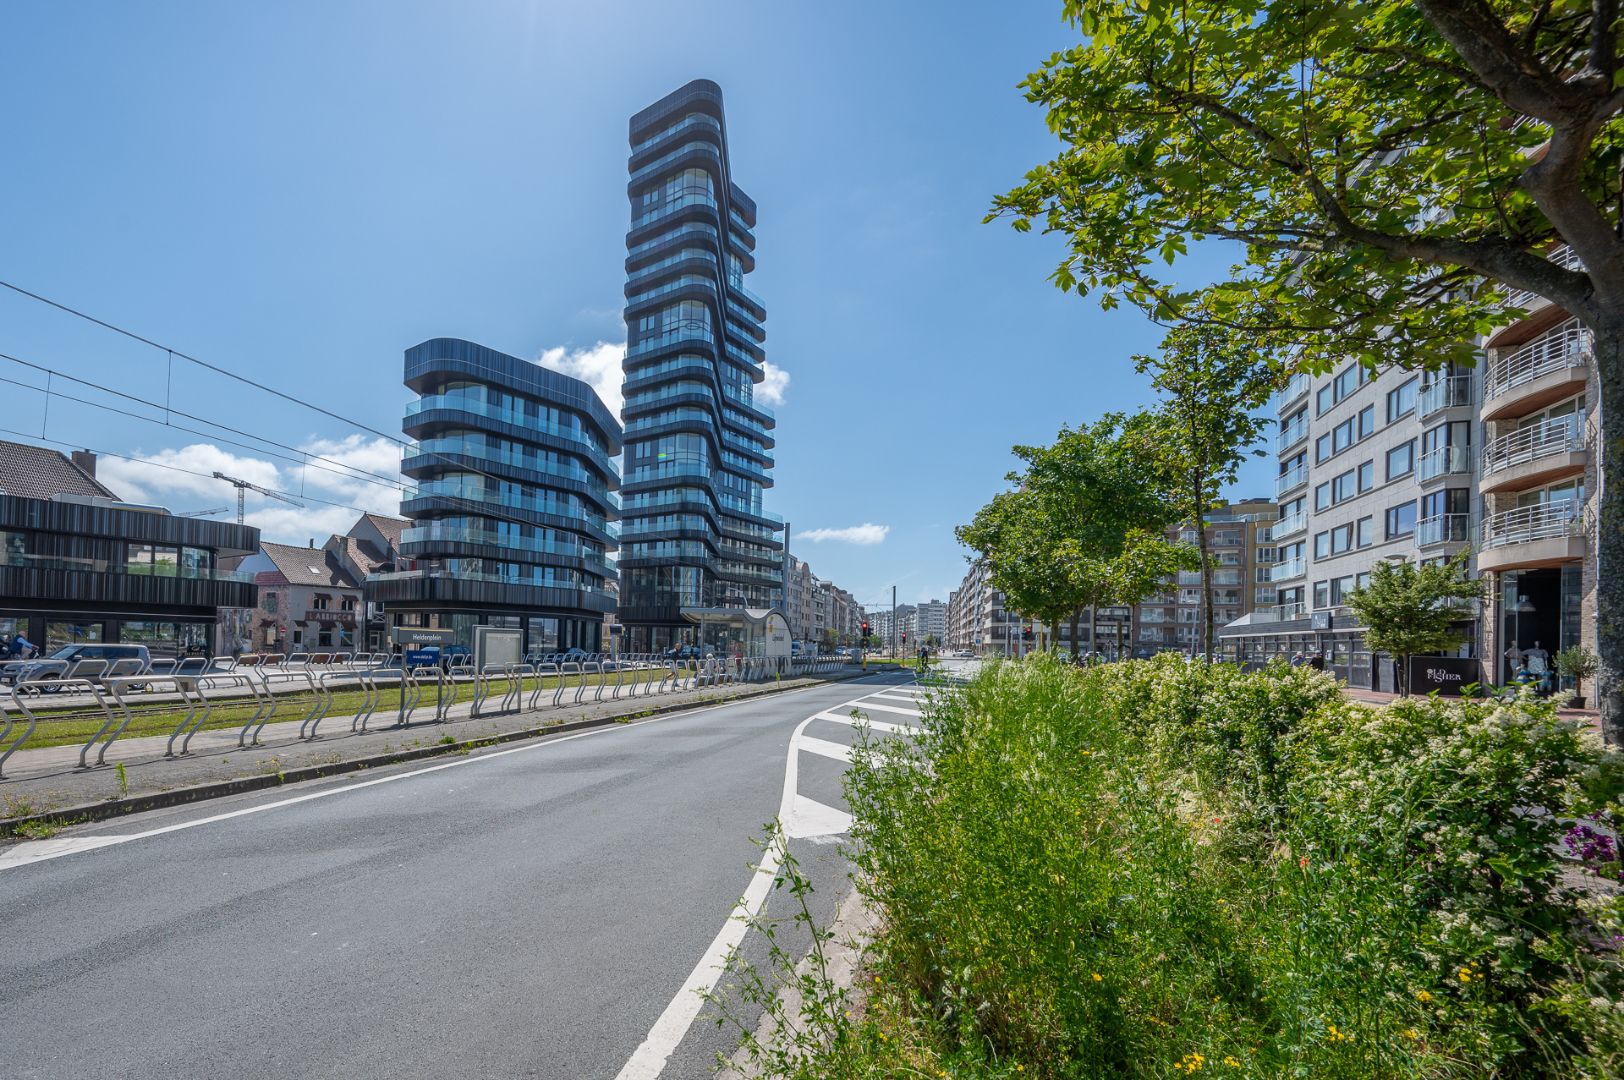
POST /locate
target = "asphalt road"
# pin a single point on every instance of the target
(525, 912)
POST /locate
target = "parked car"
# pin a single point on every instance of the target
(60, 663)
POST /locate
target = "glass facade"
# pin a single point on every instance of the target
(512, 504)
(699, 445)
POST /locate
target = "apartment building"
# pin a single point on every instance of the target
(976, 618)
(818, 610)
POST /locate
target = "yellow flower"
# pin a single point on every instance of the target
(1096, 976)
(1230, 1061)
(1422, 996)
(1411, 1033)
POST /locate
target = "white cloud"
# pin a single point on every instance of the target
(771, 389)
(598, 366)
(328, 480)
(853, 534)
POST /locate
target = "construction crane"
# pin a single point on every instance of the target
(205, 513)
(244, 485)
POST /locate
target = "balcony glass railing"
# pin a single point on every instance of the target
(1547, 438)
(1444, 461)
(1526, 524)
(1289, 526)
(443, 534)
(692, 120)
(499, 579)
(1290, 568)
(507, 455)
(1291, 435)
(1444, 393)
(659, 164)
(1296, 387)
(681, 201)
(1293, 477)
(1443, 529)
(478, 497)
(475, 404)
(1568, 346)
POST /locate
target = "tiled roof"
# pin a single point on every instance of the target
(360, 555)
(35, 472)
(308, 566)
(390, 527)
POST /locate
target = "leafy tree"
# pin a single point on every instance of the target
(1387, 170)
(1577, 663)
(1406, 611)
(1212, 381)
(1052, 544)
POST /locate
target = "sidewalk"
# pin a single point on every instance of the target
(49, 779)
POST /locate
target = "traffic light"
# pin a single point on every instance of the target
(1026, 633)
(865, 630)
(905, 637)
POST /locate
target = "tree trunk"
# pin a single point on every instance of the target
(1076, 648)
(1206, 589)
(1094, 627)
(1607, 538)
(1054, 635)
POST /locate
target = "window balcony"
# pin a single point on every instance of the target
(1296, 387)
(1289, 526)
(1443, 529)
(1445, 393)
(1286, 571)
(1291, 435)
(1548, 534)
(1534, 455)
(1552, 366)
(1290, 480)
(1444, 461)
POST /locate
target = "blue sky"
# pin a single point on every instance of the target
(301, 191)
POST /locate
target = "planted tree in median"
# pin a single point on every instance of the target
(1407, 608)
(1389, 169)
(1212, 381)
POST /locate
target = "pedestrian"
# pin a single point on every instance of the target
(22, 648)
(1317, 661)
(1297, 658)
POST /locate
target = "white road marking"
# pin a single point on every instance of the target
(648, 1061)
(838, 751)
(883, 707)
(878, 725)
(40, 851)
(808, 817)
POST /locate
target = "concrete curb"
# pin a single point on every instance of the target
(137, 804)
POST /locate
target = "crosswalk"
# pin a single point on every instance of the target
(821, 735)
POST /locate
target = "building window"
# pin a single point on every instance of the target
(1401, 460)
(1367, 476)
(268, 603)
(1322, 594)
(1322, 496)
(1400, 520)
(1367, 421)
(1322, 545)
(1401, 401)
(1342, 488)
(1341, 539)
(1323, 448)
(1364, 530)
(1341, 587)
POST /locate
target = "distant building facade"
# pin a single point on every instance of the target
(78, 565)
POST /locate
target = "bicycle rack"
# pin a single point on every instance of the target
(543, 670)
(581, 671)
(101, 703)
(516, 674)
(5, 733)
(370, 693)
(268, 706)
(603, 679)
(197, 685)
(321, 707)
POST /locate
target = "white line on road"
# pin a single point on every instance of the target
(648, 1061)
(883, 707)
(838, 751)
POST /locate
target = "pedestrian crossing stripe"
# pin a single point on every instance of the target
(808, 817)
(838, 751)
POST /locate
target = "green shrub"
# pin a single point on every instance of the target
(1158, 868)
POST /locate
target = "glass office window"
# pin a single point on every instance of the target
(1401, 401)
(1400, 520)
(1367, 476)
(1401, 460)
(1365, 531)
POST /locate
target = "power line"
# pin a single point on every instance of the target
(171, 353)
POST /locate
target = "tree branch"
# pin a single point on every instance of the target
(1502, 66)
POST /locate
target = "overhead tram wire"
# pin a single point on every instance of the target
(303, 460)
(462, 466)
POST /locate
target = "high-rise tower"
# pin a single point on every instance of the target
(698, 443)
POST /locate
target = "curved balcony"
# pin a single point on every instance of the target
(1296, 388)
(1548, 534)
(1444, 461)
(1443, 529)
(1450, 392)
(1290, 480)
(1546, 369)
(1534, 455)
(441, 587)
